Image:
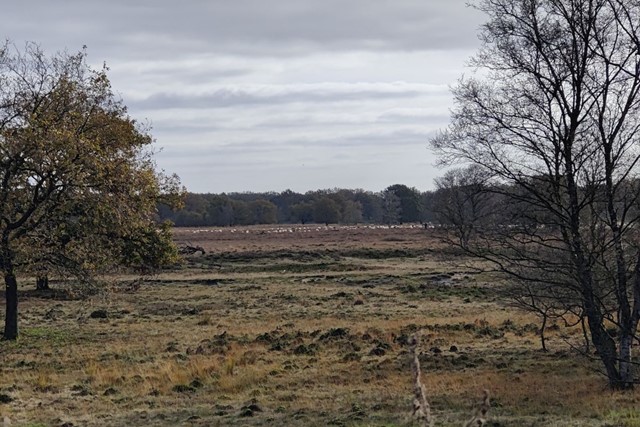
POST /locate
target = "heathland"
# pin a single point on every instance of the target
(302, 326)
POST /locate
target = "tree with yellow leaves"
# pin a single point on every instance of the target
(78, 186)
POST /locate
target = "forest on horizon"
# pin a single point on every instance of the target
(396, 204)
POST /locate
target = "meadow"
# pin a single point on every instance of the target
(301, 326)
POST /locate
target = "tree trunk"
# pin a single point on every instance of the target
(11, 316)
(629, 332)
(606, 348)
(585, 335)
(626, 364)
(42, 283)
(542, 328)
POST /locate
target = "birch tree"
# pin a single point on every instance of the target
(553, 112)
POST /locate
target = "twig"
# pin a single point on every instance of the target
(480, 416)
(421, 408)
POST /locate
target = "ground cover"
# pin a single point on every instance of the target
(301, 326)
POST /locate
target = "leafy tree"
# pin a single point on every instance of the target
(427, 202)
(219, 211)
(76, 174)
(194, 212)
(351, 212)
(390, 207)
(371, 204)
(83, 241)
(285, 202)
(554, 116)
(409, 200)
(326, 210)
(147, 249)
(242, 213)
(302, 212)
(264, 212)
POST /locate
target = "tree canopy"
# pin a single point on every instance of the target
(346, 207)
(77, 181)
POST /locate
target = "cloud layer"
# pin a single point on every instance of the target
(256, 95)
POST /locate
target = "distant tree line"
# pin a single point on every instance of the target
(395, 205)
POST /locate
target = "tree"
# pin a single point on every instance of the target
(194, 213)
(463, 202)
(77, 182)
(264, 212)
(89, 236)
(371, 206)
(409, 199)
(219, 211)
(285, 202)
(242, 212)
(390, 207)
(351, 212)
(148, 249)
(326, 210)
(427, 201)
(557, 102)
(302, 212)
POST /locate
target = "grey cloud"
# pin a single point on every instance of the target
(180, 72)
(261, 94)
(322, 164)
(186, 130)
(423, 117)
(147, 28)
(283, 148)
(367, 141)
(225, 97)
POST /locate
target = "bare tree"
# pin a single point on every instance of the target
(554, 114)
(462, 201)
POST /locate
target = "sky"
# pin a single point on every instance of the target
(268, 95)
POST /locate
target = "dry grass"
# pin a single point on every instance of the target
(306, 331)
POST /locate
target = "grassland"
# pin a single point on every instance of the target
(303, 326)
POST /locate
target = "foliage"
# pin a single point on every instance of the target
(390, 207)
(354, 206)
(302, 212)
(326, 210)
(264, 212)
(76, 173)
(409, 202)
(149, 248)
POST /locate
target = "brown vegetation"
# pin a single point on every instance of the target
(275, 328)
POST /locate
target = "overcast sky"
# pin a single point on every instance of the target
(265, 95)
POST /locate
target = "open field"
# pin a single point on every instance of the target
(302, 326)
